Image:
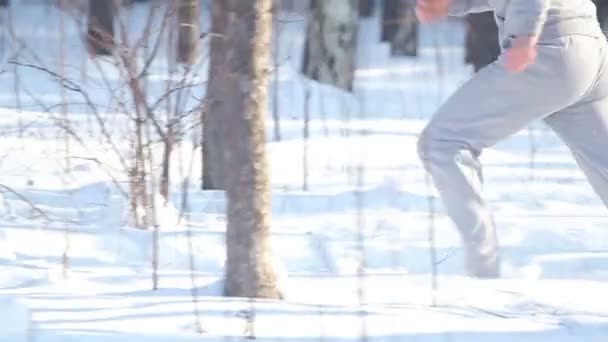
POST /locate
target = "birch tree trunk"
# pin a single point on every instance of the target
(329, 53)
(249, 266)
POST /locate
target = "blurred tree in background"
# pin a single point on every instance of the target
(482, 46)
(331, 42)
(100, 31)
(602, 13)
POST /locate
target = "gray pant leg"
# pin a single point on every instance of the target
(491, 106)
(584, 129)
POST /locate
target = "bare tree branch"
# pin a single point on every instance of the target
(27, 201)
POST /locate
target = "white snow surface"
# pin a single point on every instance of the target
(14, 319)
(552, 227)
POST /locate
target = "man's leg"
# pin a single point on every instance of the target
(490, 107)
(584, 129)
(584, 126)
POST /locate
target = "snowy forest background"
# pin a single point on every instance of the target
(170, 173)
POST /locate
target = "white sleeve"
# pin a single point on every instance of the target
(526, 17)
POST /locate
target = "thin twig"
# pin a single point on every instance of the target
(27, 201)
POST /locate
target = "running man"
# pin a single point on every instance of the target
(553, 68)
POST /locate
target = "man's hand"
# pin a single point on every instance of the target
(521, 53)
(431, 10)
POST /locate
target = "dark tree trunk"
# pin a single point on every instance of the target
(249, 267)
(602, 13)
(329, 53)
(100, 28)
(286, 5)
(404, 39)
(188, 33)
(4, 3)
(213, 154)
(165, 173)
(366, 8)
(131, 2)
(482, 46)
(390, 19)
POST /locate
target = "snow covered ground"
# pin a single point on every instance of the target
(553, 229)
